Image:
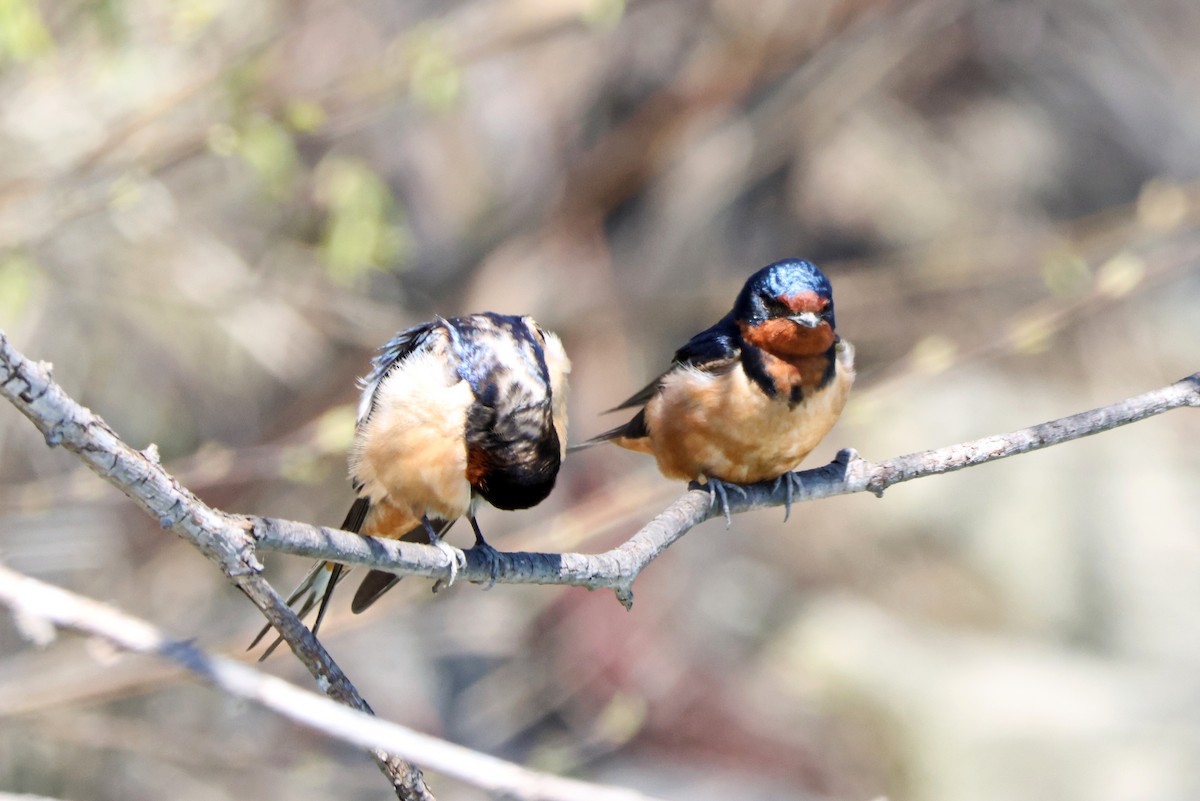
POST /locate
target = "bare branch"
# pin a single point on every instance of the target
(617, 568)
(230, 541)
(30, 599)
(223, 538)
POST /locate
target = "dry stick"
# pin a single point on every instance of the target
(617, 568)
(34, 602)
(224, 539)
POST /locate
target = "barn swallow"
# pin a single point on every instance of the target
(453, 412)
(747, 399)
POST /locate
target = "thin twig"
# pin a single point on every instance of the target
(32, 600)
(223, 538)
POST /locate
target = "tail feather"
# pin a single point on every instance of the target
(301, 588)
(335, 575)
(315, 588)
(607, 436)
(377, 582)
(318, 583)
(634, 429)
(357, 515)
(373, 585)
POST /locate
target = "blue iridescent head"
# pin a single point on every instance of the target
(793, 289)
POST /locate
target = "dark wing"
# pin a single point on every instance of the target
(377, 582)
(712, 350)
(392, 353)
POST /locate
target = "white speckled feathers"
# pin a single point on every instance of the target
(559, 366)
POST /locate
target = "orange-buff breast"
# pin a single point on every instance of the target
(724, 426)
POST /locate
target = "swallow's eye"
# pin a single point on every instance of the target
(775, 307)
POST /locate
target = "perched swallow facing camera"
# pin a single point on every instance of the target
(453, 412)
(747, 399)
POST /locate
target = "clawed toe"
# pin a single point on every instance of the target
(457, 559)
(492, 557)
(719, 493)
(791, 485)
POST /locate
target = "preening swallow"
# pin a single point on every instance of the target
(452, 412)
(747, 399)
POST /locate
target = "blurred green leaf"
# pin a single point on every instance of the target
(436, 79)
(300, 465)
(603, 14)
(222, 139)
(23, 35)
(190, 18)
(109, 18)
(243, 81)
(268, 148)
(361, 232)
(19, 276)
(305, 116)
(335, 429)
(1066, 274)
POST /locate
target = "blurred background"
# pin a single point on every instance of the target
(211, 213)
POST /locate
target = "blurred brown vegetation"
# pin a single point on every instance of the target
(211, 212)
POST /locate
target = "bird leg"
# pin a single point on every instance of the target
(490, 554)
(457, 557)
(719, 491)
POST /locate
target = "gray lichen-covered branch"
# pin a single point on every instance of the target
(617, 568)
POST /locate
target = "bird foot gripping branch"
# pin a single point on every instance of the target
(457, 558)
(718, 493)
